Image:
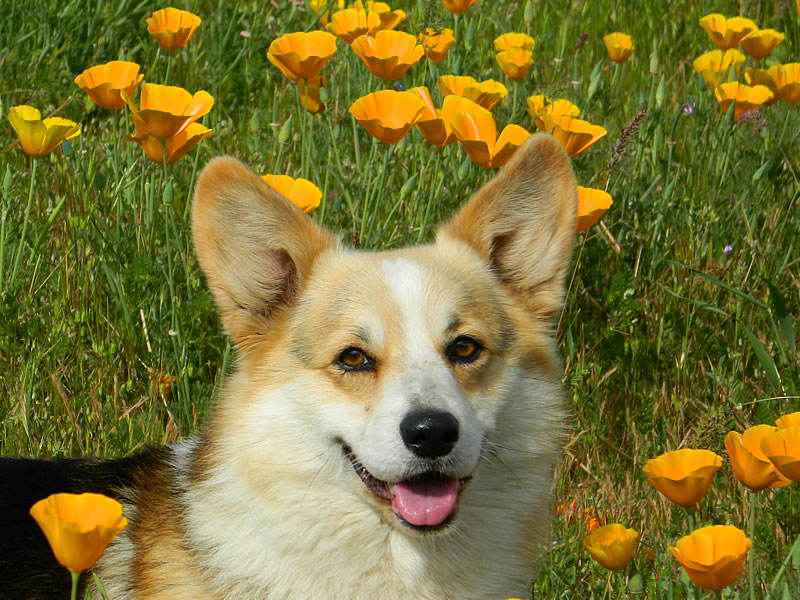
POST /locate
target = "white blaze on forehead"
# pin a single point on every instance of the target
(406, 282)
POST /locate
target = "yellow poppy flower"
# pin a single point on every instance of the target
(389, 54)
(301, 55)
(760, 43)
(574, 135)
(458, 6)
(515, 62)
(435, 125)
(78, 526)
(477, 134)
(540, 105)
(712, 556)
(750, 465)
(174, 147)
(387, 114)
(436, 43)
(39, 137)
(167, 110)
(486, 93)
(103, 83)
(715, 66)
(611, 545)
(727, 33)
(747, 98)
(782, 447)
(786, 79)
(317, 6)
(683, 476)
(351, 23)
(788, 420)
(389, 18)
(592, 204)
(619, 46)
(171, 28)
(309, 93)
(514, 40)
(300, 192)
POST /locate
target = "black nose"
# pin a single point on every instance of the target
(429, 433)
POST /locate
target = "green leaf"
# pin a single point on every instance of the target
(785, 321)
(764, 359)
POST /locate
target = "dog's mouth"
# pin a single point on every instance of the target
(425, 502)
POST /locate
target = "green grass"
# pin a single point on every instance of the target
(108, 293)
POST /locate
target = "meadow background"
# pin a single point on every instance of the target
(109, 340)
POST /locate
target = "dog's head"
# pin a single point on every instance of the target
(390, 375)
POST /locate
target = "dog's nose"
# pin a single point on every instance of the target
(428, 433)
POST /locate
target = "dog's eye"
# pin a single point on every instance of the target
(354, 359)
(463, 350)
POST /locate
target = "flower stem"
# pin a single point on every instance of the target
(752, 531)
(25, 221)
(75, 576)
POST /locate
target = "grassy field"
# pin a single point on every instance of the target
(676, 326)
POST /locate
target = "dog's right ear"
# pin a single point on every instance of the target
(255, 247)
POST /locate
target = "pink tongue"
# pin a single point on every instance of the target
(425, 502)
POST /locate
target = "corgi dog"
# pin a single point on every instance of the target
(390, 429)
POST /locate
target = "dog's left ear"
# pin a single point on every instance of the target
(522, 223)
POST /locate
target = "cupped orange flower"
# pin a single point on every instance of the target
(173, 148)
(486, 93)
(515, 62)
(540, 105)
(574, 135)
(747, 98)
(592, 204)
(477, 134)
(760, 43)
(458, 6)
(716, 66)
(788, 420)
(782, 448)
(389, 18)
(387, 114)
(300, 192)
(436, 43)
(103, 83)
(310, 98)
(683, 476)
(435, 125)
(351, 23)
(302, 55)
(712, 556)
(318, 6)
(786, 79)
(514, 40)
(611, 545)
(167, 110)
(39, 137)
(619, 46)
(389, 54)
(750, 465)
(78, 526)
(171, 28)
(727, 33)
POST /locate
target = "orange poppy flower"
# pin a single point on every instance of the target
(716, 66)
(301, 55)
(750, 465)
(486, 93)
(760, 43)
(612, 546)
(458, 6)
(300, 192)
(309, 93)
(683, 476)
(788, 420)
(541, 105)
(389, 54)
(389, 18)
(387, 114)
(786, 81)
(103, 83)
(436, 43)
(317, 6)
(727, 33)
(574, 135)
(39, 137)
(592, 204)
(477, 134)
(782, 447)
(712, 556)
(434, 125)
(351, 23)
(514, 40)
(515, 62)
(167, 110)
(78, 526)
(172, 28)
(174, 147)
(619, 46)
(747, 98)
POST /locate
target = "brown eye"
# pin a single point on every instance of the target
(354, 359)
(463, 350)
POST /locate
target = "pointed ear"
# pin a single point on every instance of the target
(255, 247)
(522, 223)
